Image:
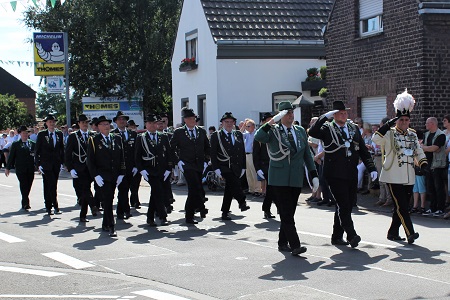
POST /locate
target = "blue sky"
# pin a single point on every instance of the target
(13, 45)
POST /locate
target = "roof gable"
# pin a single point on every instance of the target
(13, 86)
(266, 19)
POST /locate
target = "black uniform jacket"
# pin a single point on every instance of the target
(76, 151)
(128, 148)
(261, 158)
(158, 159)
(235, 153)
(106, 161)
(193, 152)
(21, 156)
(338, 164)
(48, 155)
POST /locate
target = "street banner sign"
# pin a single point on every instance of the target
(49, 53)
(55, 85)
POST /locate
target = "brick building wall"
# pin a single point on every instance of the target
(412, 52)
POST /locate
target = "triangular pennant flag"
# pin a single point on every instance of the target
(35, 2)
(53, 3)
(18, 63)
(13, 5)
(62, 2)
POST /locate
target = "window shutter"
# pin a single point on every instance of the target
(370, 8)
(373, 109)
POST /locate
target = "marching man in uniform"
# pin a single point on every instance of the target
(106, 164)
(21, 158)
(289, 154)
(402, 150)
(343, 147)
(75, 159)
(154, 162)
(229, 161)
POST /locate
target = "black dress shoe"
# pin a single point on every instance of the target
(120, 217)
(27, 207)
(284, 248)
(268, 215)
(413, 237)
(203, 213)
(84, 220)
(339, 242)
(137, 206)
(151, 223)
(355, 241)
(169, 209)
(57, 211)
(298, 251)
(105, 228)
(331, 203)
(395, 238)
(128, 215)
(49, 212)
(164, 222)
(191, 221)
(323, 202)
(112, 232)
(244, 207)
(226, 217)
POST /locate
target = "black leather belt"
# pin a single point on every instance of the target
(248, 153)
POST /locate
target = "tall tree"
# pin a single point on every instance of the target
(13, 113)
(117, 48)
(56, 104)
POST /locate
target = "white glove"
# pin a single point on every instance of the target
(180, 166)
(41, 169)
(73, 173)
(331, 113)
(278, 116)
(166, 175)
(99, 180)
(373, 175)
(242, 173)
(134, 171)
(260, 174)
(205, 165)
(315, 182)
(62, 167)
(218, 173)
(144, 174)
(119, 180)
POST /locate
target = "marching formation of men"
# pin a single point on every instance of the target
(280, 161)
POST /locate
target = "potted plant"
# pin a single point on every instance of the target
(188, 64)
(323, 92)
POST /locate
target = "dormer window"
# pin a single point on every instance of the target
(370, 17)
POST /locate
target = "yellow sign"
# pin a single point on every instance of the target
(49, 69)
(101, 106)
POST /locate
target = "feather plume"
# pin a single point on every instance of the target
(404, 102)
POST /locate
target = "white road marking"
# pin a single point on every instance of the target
(9, 238)
(30, 271)
(159, 295)
(61, 296)
(8, 186)
(68, 260)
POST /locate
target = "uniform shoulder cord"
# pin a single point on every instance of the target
(224, 152)
(147, 150)
(79, 151)
(285, 151)
(334, 140)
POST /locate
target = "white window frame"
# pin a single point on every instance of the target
(192, 45)
(370, 17)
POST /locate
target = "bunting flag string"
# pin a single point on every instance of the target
(36, 3)
(19, 63)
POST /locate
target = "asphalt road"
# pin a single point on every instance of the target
(56, 257)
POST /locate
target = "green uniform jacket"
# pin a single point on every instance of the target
(21, 157)
(290, 170)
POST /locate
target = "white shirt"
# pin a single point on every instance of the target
(232, 135)
(292, 131)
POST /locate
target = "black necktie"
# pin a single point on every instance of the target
(344, 134)
(230, 138)
(107, 140)
(51, 139)
(192, 133)
(85, 136)
(122, 134)
(291, 139)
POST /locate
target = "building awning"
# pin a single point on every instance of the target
(302, 101)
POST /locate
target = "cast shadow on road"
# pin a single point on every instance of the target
(269, 225)
(352, 260)
(103, 240)
(43, 222)
(291, 268)
(418, 254)
(72, 231)
(182, 233)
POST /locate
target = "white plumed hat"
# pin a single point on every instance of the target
(404, 104)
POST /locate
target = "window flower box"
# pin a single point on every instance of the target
(188, 64)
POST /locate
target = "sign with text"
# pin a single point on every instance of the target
(55, 85)
(49, 53)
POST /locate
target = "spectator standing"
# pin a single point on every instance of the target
(248, 131)
(433, 145)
